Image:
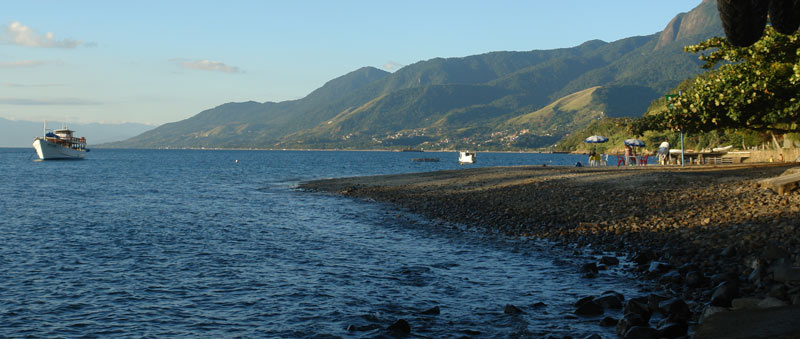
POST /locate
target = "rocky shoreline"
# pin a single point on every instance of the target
(715, 243)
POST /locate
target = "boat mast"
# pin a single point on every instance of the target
(44, 129)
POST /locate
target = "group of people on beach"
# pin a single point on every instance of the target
(630, 158)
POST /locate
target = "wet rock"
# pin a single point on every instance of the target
(673, 330)
(593, 336)
(609, 261)
(658, 267)
(620, 296)
(628, 321)
(589, 308)
(641, 332)
(638, 308)
(652, 302)
(431, 311)
(400, 326)
(675, 309)
(539, 305)
(719, 278)
(583, 300)
(724, 293)
(671, 277)
(609, 301)
(608, 322)
(471, 332)
(363, 328)
(589, 268)
(694, 279)
(511, 309)
(643, 258)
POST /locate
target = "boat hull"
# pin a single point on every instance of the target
(50, 151)
(466, 157)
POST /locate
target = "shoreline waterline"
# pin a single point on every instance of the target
(700, 226)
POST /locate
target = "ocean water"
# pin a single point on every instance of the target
(190, 243)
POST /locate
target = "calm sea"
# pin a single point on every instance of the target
(190, 243)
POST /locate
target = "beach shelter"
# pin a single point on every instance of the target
(634, 143)
(596, 139)
(595, 159)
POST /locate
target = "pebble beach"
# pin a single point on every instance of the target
(713, 241)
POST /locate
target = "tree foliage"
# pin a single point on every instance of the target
(755, 88)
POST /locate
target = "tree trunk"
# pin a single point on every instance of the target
(775, 140)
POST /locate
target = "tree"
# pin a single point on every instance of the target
(755, 88)
(744, 20)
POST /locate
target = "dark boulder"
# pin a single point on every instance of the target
(583, 300)
(643, 258)
(724, 293)
(675, 309)
(400, 326)
(673, 330)
(628, 321)
(609, 301)
(652, 302)
(608, 322)
(609, 261)
(589, 268)
(635, 307)
(363, 328)
(589, 308)
(642, 332)
(657, 267)
(694, 279)
(511, 309)
(433, 310)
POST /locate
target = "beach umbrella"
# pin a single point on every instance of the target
(634, 143)
(595, 139)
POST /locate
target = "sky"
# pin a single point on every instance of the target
(156, 62)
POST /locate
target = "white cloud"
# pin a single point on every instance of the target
(207, 65)
(47, 102)
(21, 63)
(14, 84)
(392, 66)
(19, 34)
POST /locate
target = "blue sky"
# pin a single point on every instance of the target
(161, 61)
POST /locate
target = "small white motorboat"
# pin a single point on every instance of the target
(466, 157)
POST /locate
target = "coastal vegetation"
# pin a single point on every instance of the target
(753, 88)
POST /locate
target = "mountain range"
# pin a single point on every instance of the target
(20, 133)
(496, 100)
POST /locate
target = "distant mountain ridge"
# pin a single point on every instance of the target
(20, 133)
(468, 102)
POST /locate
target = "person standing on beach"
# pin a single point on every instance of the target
(663, 152)
(629, 156)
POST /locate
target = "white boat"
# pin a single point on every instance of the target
(60, 144)
(466, 157)
(721, 149)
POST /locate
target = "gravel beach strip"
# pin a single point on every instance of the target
(706, 234)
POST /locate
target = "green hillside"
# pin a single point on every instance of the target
(497, 100)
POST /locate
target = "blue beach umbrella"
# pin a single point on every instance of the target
(634, 143)
(596, 139)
